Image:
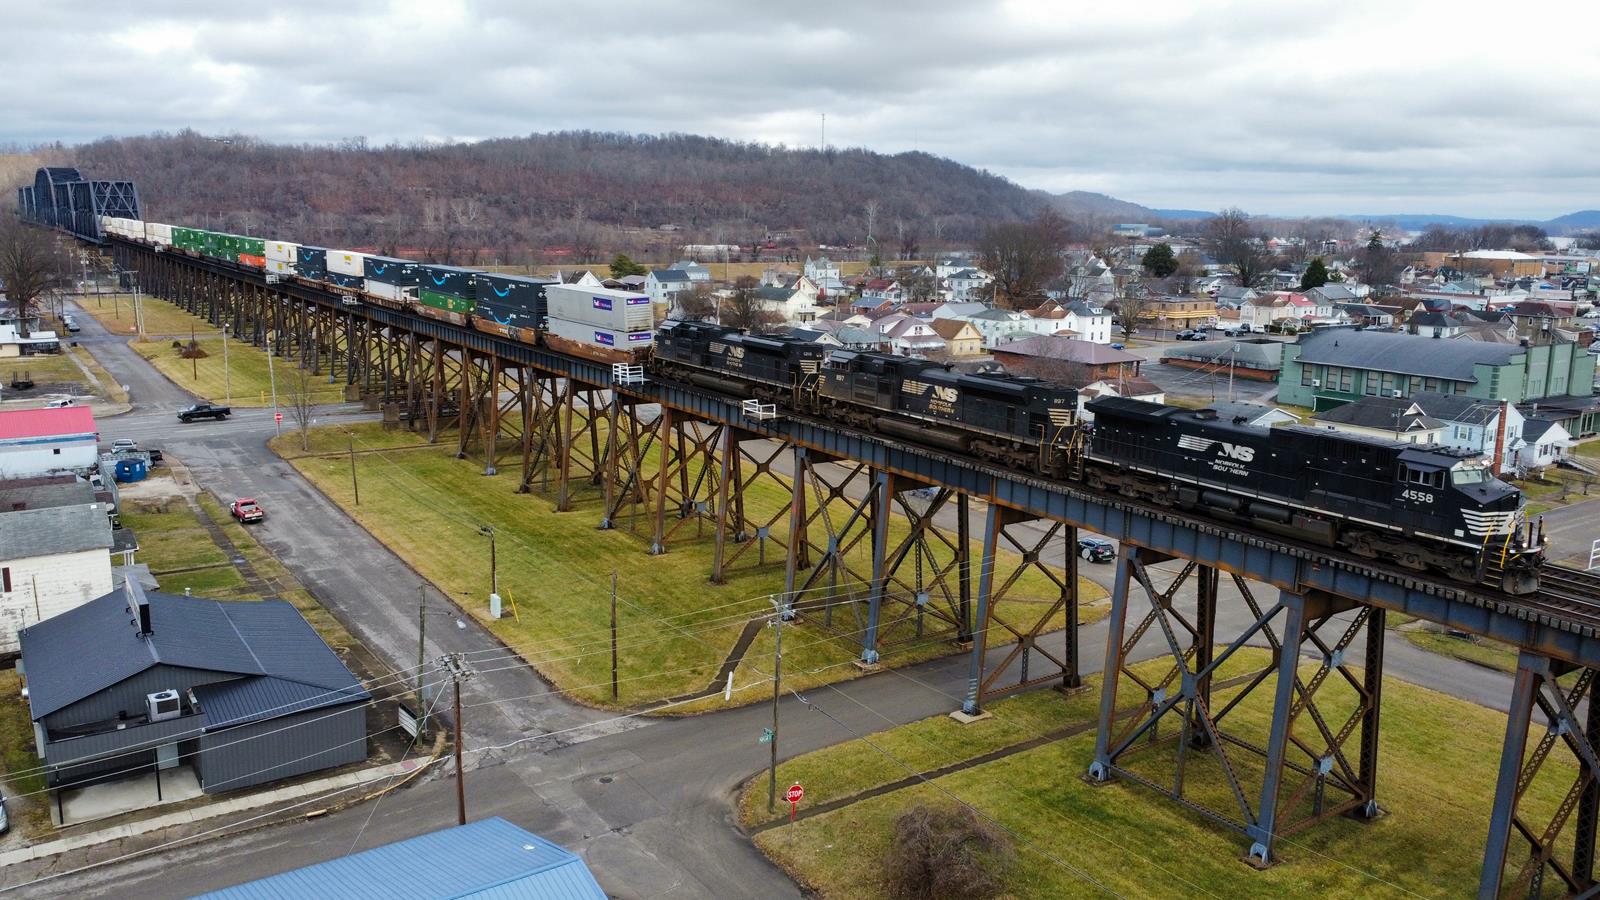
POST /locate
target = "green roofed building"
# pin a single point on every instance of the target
(1328, 368)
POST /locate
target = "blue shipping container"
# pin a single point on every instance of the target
(343, 280)
(311, 262)
(512, 300)
(449, 280)
(399, 272)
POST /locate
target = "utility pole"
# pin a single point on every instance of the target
(354, 484)
(194, 356)
(277, 423)
(422, 656)
(458, 673)
(138, 305)
(613, 635)
(227, 374)
(777, 687)
(1232, 358)
(494, 570)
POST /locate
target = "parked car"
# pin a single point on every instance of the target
(203, 411)
(121, 444)
(70, 323)
(246, 510)
(1118, 347)
(155, 456)
(1094, 549)
(1191, 335)
(63, 403)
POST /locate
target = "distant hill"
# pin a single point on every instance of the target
(1583, 220)
(1572, 222)
(558, 196)
(1183, 213)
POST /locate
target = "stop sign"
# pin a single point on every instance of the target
(277, 417)
(795, 793)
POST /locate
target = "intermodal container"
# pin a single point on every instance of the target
(609, 338)
(281, 250)
(396, 292)
(447, 302)
(402, 272)
(157, 233)
(601, 307)
(252, 245)
(247, 259)
(512, 300)
(311, 262)
(449, 280)
(343, 280)
(347, 262)
(281, 267)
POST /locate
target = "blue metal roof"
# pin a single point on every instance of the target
(488, 860)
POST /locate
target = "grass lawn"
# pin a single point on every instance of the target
(675, 628)
(115, 314)
(246, 379)
(1480, 651)
(45, 368)
(16, 755)
(1590, 449)
(1438, 765)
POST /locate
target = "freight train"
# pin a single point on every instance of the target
(1426, 508)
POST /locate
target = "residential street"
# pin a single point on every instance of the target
(647, 802)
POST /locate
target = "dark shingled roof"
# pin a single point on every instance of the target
(286, 666)
(1406, 354)
(1456, 407)
(1379, 412)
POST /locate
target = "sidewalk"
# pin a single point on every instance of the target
(276, 797)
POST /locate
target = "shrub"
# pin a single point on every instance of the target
(945, 852)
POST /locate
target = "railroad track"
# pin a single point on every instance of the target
(1571, 585)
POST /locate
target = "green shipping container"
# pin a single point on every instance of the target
(447, 302)
(253, 246)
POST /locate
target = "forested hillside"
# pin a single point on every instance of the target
(555, 195)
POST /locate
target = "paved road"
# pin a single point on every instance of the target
(648, 806)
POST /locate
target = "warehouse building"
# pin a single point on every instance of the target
(240, 692)
(39, 441)
(1328, 368)
(488, 859)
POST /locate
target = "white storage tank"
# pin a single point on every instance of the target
(281, 250)
(602, 307)
(347, 262)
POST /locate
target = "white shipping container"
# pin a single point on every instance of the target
(601, 307)
(280, 267)
(610, 338)
(347, 262)
(158, 233)
(283, 250)
(390, 291)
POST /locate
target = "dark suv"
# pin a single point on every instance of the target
(1094, 549)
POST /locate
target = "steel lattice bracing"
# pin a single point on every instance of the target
(1319, 754)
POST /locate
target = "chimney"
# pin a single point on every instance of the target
(138, 605)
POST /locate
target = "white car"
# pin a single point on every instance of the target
(121, 444)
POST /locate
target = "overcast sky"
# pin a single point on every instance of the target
(1468, 108)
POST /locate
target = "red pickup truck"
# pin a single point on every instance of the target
(245, 510)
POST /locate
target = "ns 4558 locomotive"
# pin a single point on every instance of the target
(1425, 508)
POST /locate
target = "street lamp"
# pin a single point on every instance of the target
(227, 373)
(494, 576)
(277, 417)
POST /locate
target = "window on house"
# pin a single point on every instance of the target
(1346, 379)
(1306, 373)
(55, 451)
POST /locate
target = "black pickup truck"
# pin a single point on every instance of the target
(203, 411)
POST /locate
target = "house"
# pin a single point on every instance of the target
(489, 858)
(961, 338)
(1326, 368)
(1427, 323)
(1066, 360)
(585, 278)
(698, 274)
(664, 285)
(1240, 412)
(1473, 424)
(854, 337)
(1543, 443)
(243, 692)
(1332, 294)
(13, 344)
(55, 553)
(793, 305)
(37, 441)
(908, 335)
(1089, 322)
(1133, 387)
(950, 265)
(1261, 310)
(821, 270)
(883, 290)
(959, 310)
(1001, 325)
(1366, 315)
(815, 336)
(1535, 317)
(1170, 313)
(1395, 419)
(967, 284)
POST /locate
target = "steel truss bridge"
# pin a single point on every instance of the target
(668, 461)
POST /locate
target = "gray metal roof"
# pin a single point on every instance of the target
(1231, 410)
(491, 859)
(670, 276)
(53, 530)
(44, 492)
(77, 653)
(1406, 354)
(1258, 353)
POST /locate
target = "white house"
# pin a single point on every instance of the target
(37, 441)
(1543, 442)
(698, 274)
(51, 560)
(967, 284)
(1473, 424)
(1087, 321)
(822, 270)
(999, 326)
(908, 335)
(664, 285)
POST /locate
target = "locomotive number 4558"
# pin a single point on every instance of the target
(1418, 496)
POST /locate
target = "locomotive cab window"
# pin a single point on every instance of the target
(1464, 475)
(1422, 477)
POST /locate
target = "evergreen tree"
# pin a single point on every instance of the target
(1160, 260)
(623, 265)
(1316, 274)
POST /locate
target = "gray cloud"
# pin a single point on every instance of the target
(1357, 107)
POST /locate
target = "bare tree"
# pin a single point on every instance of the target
(1023, 256)
(746, 309)
(31, 265)
(299, 397)
(1236, 242)
(946, 853)
(1130, 309)
(695, 303)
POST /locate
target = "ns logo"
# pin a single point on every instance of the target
(736, 352)
(947, 394)
(1237, 452)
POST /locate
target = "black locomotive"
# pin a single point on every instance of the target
(1424, 507)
